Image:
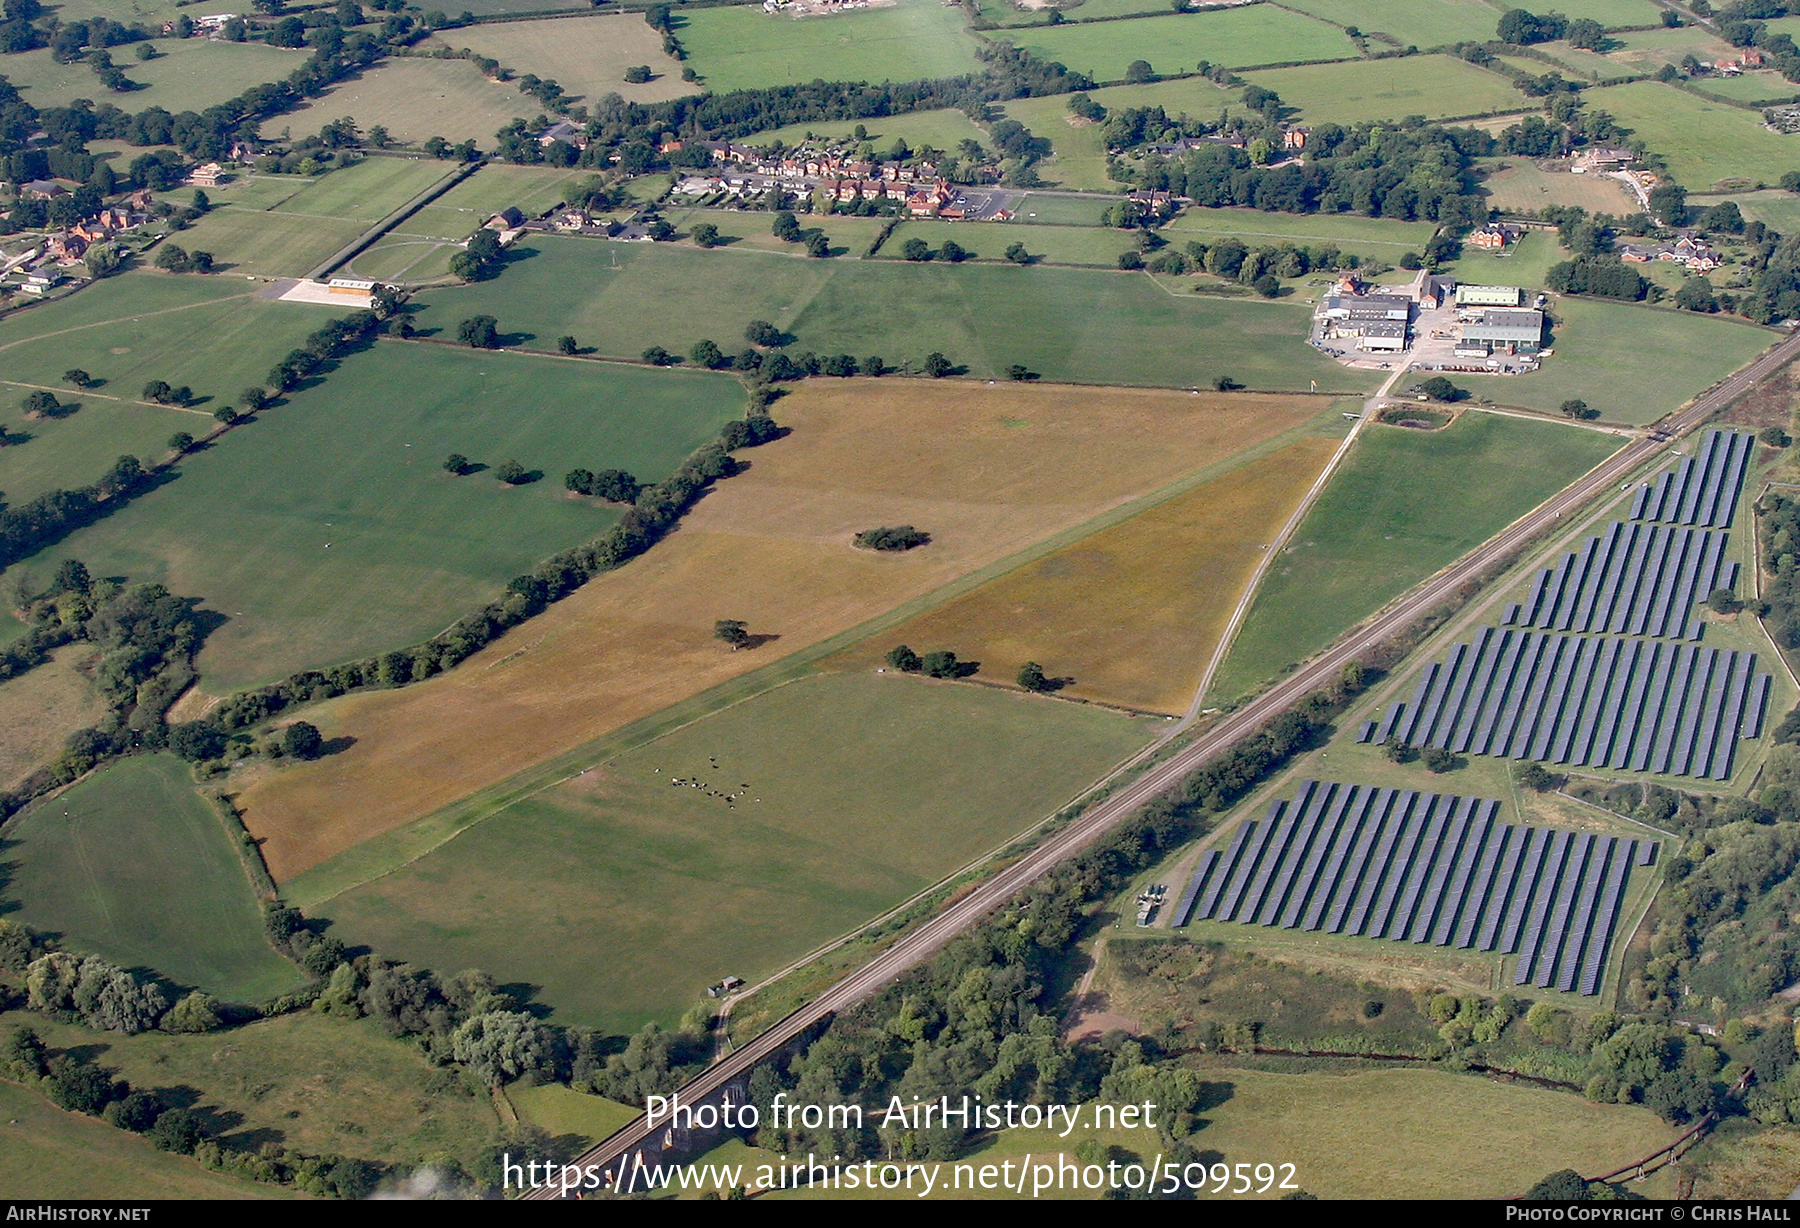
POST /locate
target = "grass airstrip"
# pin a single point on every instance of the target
(820, 804)
(587, 56)
(1379, 527)
(328, 529)
(1087, 326)
(989, 472)
(1132, 614)
(133, 864)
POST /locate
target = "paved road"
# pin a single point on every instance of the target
(935, 933)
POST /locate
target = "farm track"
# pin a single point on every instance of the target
(934, 934)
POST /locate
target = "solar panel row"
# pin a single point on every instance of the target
(1637, 579)
(1601, 701)
(1703, 488)
(1423, 868)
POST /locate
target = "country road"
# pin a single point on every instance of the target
(932, 935)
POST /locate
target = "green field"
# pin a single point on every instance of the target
(1066, 324)
(529, 189)
(416, 98)
(1649, 50)
(1405, 504)
(367, 191)
(1386, 238)
(1435, 86)
(586, 56)
(1633, 364)
(191, 74)
(1756, 88)
(269, 244)
(619, 896)
(136, 866)
(64, 453)
(48, 1153)
(1775, 209)
(748, 230)
(1043, 209)
(1567, 59)
(1175, 43)
(1078, 152)
(742, 47)
(1094, 246)
(1614, 14)
(562, 1112)
(312, 1082)
(328, 529)
(938, 129)
(1526, 263)
(1703, 142)
(1420, 23)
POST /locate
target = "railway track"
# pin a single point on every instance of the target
(931, 936)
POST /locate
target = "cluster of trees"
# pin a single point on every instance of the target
(1412, 171)
(939, 664)
(770, 367)
(29, 527)
(1779, 524)
(481, 259)
(173, 259)
(334, 340)
(892, 538)
(1522, 28)
(613, 485)
(1603, 276)
(949, 251)
(654, 512)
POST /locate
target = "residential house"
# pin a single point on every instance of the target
(1157, 202)
(43, 189)
(1295, 137)
(566, 131)
(1494, 236)
(207, 176)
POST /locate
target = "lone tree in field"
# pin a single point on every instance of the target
(707, 354)
(786, 228)
(511, 472)
(893, 538)
(705, 234)
(916, 250)
(301, 740)
(942, 664)
(566, 347)
(1538, 778)
(1723, 601)
(732, 632)
(158, 390)
(937, 366)
(764, 334)
(1031, 677)
(1224, 383)
(254, 399)
(904, 659)
(817, 245)
(637, 74)
(479, 332)
(456, 463)
(1440, 389)
(1017, 254)
(180, 441)
(44, 404)
(951, 252)
(78, 377)
(1578, 409)
(225, 415)
(1438, 759)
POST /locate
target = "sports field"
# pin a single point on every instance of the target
(329, 530)
(315, 1083)
(1176, 43)
(1404, 504)
(47, 1153)
(852, 791)
(1093, 246)
(1385, 238)
(938, 129)
(191, 74)
(210, 333)
(416, 98)
(1435, 86)
(1703, 142)
(742, 47)
(587, 56)
(136, 866)
(1064, 324)
(1633, 364)
(1421, 23)
(989, 472)
(419, 250)
(298, 232)
(1391, 1133)
(39, 709)
(1516, 185)
(1130, 615)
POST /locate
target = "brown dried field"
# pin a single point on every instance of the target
(1132, 613)
(41, 708)
(987, 471)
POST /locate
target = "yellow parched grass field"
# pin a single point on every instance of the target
(1132, 613)
(988, 471)
(40, 708)
(587, 56)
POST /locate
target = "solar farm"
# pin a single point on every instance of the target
(1599, 666)
(1423, 868)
